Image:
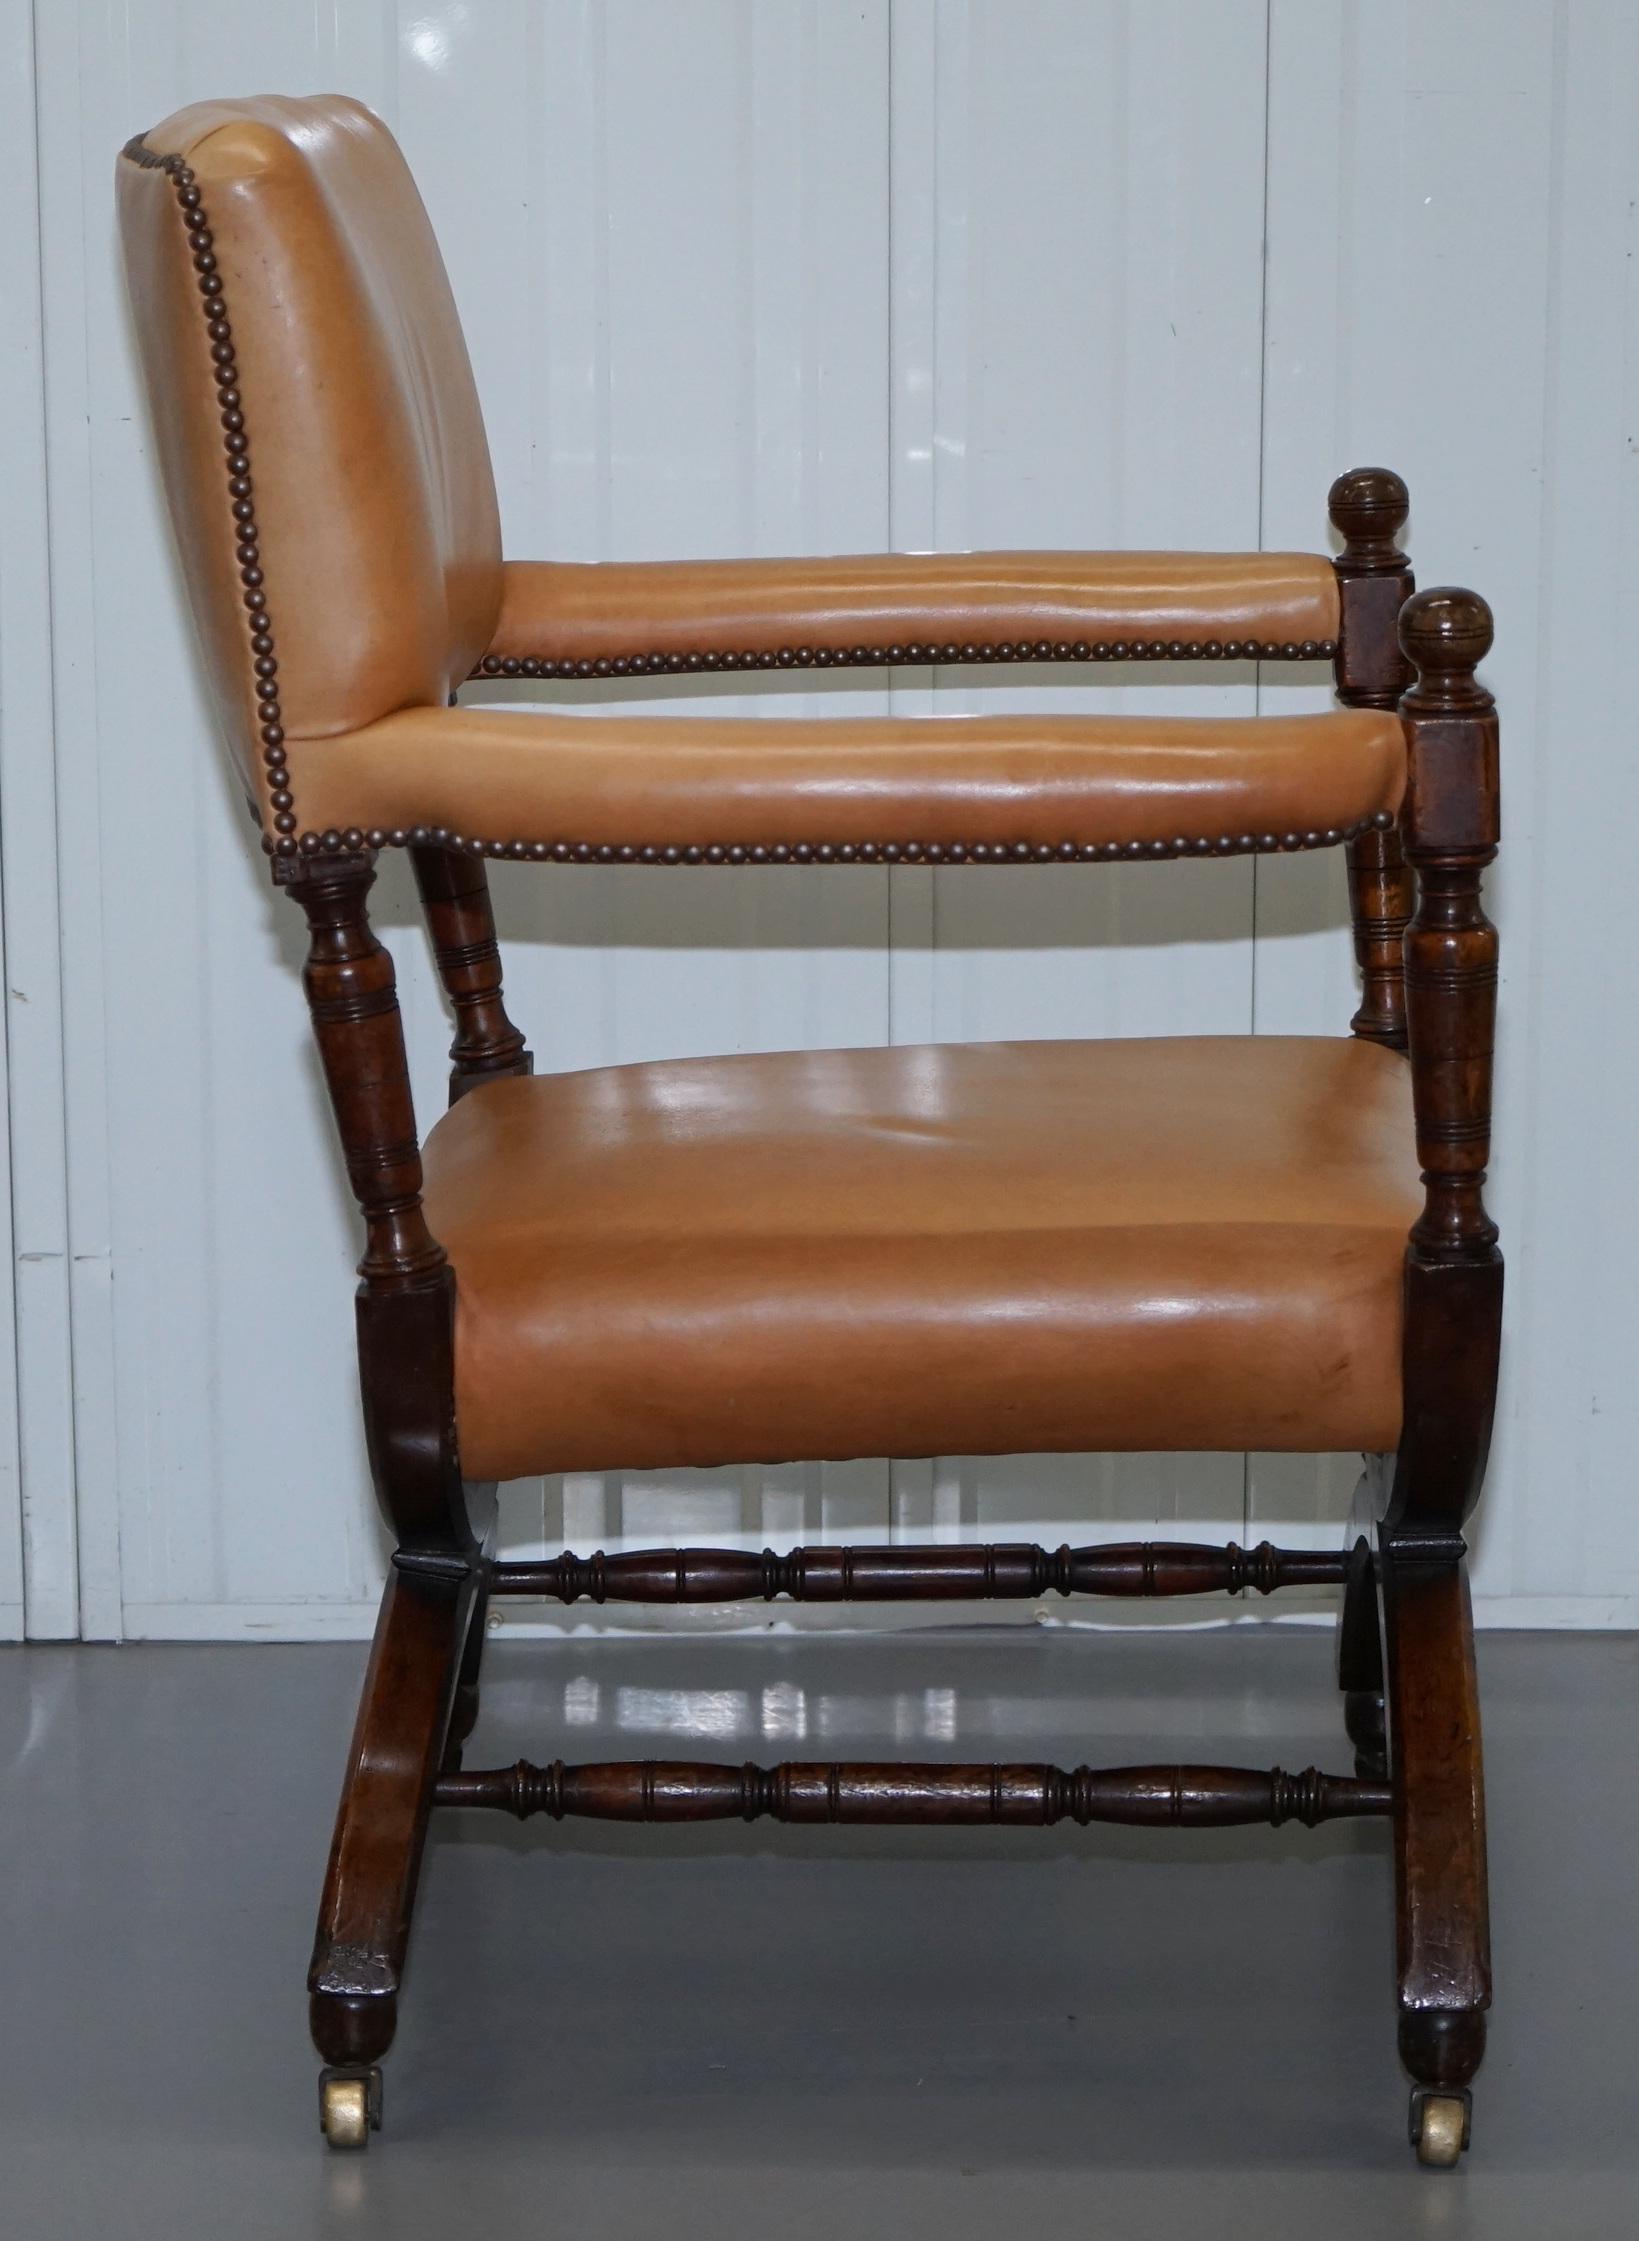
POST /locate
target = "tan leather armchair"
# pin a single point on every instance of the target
(1201, 1243)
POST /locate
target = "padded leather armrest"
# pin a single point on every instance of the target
(656, 789)
(569, 617)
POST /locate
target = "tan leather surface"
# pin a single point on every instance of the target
(378, 544)
(506, 774)
(609, 611)
(183, 416)
(374, 499)
(966, 1249)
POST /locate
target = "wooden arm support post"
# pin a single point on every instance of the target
(1368, 508)
(454, 889)
(406, 1293)
(1453, 1267)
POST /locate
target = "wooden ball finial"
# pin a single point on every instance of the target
(1445, 634)
(1368, 506)
(1368, 512)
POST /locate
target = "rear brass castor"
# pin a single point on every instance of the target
(349, 2106)
(1440, 2126)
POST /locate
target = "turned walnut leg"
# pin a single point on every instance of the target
(1442, 1933)
(424, 1638)
(1453, 1304)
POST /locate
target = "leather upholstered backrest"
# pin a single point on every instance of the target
(289, 293)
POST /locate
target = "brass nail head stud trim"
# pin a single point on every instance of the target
(357, 840)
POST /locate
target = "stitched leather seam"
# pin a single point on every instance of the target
(236, 453)
(357, 838)
(915, 655)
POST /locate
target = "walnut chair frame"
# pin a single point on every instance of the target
(1428, 962)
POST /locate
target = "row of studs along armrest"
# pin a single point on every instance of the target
(917, 655)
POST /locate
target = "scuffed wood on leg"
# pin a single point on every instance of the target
(1443, 1956)
(381, 1825)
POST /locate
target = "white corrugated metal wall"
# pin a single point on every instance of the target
(812, 275)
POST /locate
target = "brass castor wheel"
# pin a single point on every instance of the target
(1440, 2126)
(349, 2106)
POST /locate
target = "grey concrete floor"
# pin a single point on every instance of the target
(730, 2031)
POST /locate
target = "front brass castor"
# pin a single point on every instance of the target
(1440, 2127)
(349, 2106)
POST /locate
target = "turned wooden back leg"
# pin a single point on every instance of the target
(455, 896)
(1368, 508)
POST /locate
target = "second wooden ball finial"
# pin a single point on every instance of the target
(1446, 632)
(1368, 507)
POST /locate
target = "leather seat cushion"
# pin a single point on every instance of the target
(954, 1249)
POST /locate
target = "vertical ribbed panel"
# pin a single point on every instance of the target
(793, 276)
